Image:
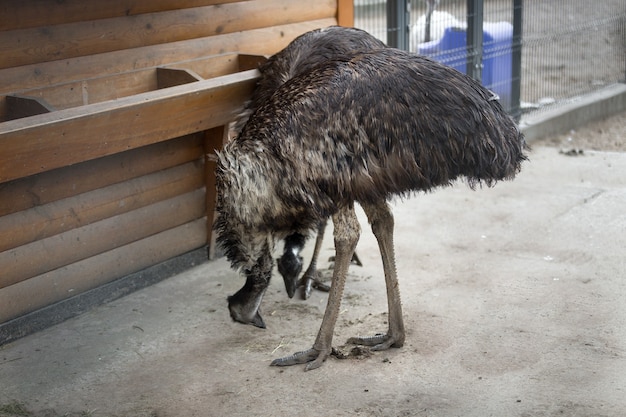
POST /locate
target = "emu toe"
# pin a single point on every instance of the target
(379, 341)
(310, 280)
(312, 357)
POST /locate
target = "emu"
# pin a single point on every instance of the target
(363, 128)
(301, 55)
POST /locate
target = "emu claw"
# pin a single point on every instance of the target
(312, 357)
(319, 285)
(311, 280)
(378, 342)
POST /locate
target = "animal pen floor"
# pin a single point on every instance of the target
(513, 302)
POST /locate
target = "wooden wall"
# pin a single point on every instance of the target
(110, 113)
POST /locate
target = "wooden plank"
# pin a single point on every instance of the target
(45, 255)
(264, 41)
(29, 46)
(36, 13)
(40, 189)
(345, 13)
(42, 143)
(22, 106)
(62, 283)
(214, 140)
(40, 222)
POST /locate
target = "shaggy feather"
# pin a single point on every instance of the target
(301, 55)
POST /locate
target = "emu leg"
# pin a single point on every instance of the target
(310, 278)
(347, 233)
(381, 219)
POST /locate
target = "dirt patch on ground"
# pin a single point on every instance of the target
(603, 135)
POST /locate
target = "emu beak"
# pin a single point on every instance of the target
(257, 321)
(290, 266)
(245, 305)
(244, 312)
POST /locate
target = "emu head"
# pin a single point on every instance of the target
(246, 243)
(244, 305)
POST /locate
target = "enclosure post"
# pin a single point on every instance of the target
(398, 24)
(516, 70)
(474, 67)
(214, 140)
(345, 13)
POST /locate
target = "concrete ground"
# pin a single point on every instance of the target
(513, 297)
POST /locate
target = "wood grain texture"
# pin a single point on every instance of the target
(35, 13)
(65, 282)
(44, 188)
(54, 252)
(59, 42)
(264, 41)
(41, 222)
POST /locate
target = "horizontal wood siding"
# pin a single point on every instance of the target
(110, 116)
(41, 189)
(73, 279)
(43, 221)
(127, 32)
(36, 13)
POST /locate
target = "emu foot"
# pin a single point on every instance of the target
(379, 341)
(310, 280)
(312, 357)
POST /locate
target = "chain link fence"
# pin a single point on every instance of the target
(568, 47)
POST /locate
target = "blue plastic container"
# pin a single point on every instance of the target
(497, 55)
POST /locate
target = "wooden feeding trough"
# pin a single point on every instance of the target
(109, 121)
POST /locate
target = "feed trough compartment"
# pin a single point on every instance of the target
(497, 55)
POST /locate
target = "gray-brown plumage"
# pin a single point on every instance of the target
(363, 129)
(302, 54)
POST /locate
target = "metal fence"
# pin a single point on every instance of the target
(568, 47)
